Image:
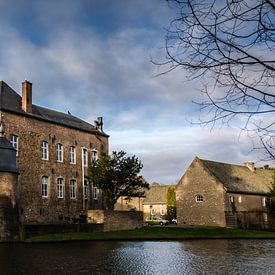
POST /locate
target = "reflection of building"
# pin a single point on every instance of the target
(154, 203)
(219, 194)
(53, 150)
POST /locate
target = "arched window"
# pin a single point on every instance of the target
(199, 198)
(45, 187)
(93, 155)
(73, 189)
(60, 188)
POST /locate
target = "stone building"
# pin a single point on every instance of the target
(219, 194)
(154, 203)
(53, 150)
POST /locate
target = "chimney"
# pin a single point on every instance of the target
(27, 96)
(250, 166)
(99, 123)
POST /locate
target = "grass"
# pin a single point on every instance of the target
(158, 233)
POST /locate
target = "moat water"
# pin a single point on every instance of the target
(176, 257)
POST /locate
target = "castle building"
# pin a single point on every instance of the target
(53, 150)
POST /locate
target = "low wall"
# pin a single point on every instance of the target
(29, 230)
(116, 220)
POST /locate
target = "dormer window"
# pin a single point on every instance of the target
(59, 152)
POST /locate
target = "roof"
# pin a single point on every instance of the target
(156, 194)
(240, 179)
(11, 101)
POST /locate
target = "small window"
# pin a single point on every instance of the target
(240, 199)
(86, 190)
(95, 192)
(84, 157)
(59, 152)
(60, 188)
(93, 156)
(72, 155)
(44, 186)
(199, 198)
(162, 212)
(153, 211)
(73, 188)
(231, 198)
(45, 150)
(263, 201)
(14, 142)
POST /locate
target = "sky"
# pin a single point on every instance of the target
(93, 58)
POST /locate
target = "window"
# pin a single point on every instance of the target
(86, 190)
(199, 198)
(59, 152)
(263, 201)
(93, 156)
(153, 211)
(44, 186)
(60, 188)
(84, 157)
(72, 189)
(231, 198)
(162, 212)
(94, 192)
(72, 155)
(45, 150)
(14, 142)
(240, 199)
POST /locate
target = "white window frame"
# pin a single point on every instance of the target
(60, 188)
(73, 189)
(45, 150)
(59, 152)
(15, 142)
(84, 157)
(199, 198)
(45, 187)
(72, 155)
(162, 211)
(94, 155)
(86, 189)
(153, 211)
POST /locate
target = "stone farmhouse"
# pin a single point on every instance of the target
(53, 150)
(219, 194)
(154, 204)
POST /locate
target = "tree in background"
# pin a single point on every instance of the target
(117, 175)
(171, 203)
(230, 46)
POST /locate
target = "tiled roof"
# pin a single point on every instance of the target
(156, 194)
(237, 178)
(11, 101)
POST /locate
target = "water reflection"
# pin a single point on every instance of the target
(188, 257)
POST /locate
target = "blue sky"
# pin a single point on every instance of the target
(93, 59)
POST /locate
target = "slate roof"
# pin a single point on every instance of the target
(240, 179)
(11, 101)
(156, 194)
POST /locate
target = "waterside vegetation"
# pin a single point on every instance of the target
(158, 233)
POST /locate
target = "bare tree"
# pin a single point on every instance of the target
(230, 46)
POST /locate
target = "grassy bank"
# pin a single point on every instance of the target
(158, 233)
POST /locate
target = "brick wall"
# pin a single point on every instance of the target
(116, 220)
(31, 132)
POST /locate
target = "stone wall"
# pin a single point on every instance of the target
(124, 204)
(9, 218)
(31, 132)
(197, 181)
(116, 220)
